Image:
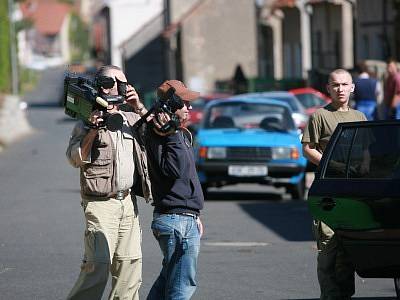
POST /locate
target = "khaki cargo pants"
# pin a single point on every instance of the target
(335, 270)
(112, 244)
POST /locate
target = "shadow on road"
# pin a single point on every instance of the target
(291, 220)
(353, 298)
(223, 195)
(44, 105)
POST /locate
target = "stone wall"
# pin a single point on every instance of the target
(13, 121)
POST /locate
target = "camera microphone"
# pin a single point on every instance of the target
(101, 102)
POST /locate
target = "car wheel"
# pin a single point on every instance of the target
(397, 287)
(297, 191)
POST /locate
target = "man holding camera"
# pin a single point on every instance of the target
(177, 194)
(112, 163)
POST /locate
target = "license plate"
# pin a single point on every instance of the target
(247, 171)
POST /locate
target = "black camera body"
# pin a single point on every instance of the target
(168, 104)
(81, 98)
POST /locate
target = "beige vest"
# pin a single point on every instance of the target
(98, 177)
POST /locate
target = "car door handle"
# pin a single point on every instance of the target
(327, 203)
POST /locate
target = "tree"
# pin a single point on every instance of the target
(79, 38)
(5, 67)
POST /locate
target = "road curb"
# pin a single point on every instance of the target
(13, 121)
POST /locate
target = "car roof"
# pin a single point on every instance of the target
(271, 94)
(303, 90)
(248, 98)
(308, 90)
(298, 107)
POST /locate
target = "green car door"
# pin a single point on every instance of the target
(357, 186)
(356, 192)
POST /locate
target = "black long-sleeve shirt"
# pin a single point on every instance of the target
(175, 185)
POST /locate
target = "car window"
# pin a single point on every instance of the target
(336, 167)
(374, 153)
(310, 100)
(198, 103)
(292, 103)
(383, 149)
(244, 115)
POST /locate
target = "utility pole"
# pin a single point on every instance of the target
(13, 51)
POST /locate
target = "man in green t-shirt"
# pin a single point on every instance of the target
(335, 271)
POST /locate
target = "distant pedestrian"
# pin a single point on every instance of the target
(391, 98)
(239, 81)
(366, 92)
(335, 270)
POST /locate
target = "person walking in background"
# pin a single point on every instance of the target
(391, 98)
(111, 163)
(178, 198)
(334, 269)
(366, 92)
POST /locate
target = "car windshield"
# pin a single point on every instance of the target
(310, 100)
(292, 101)
(244, 115)
(198, 104)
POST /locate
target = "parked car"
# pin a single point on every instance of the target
(196, 113)
(356, 192)
(245, 139)
(298, 112)
(310, 98)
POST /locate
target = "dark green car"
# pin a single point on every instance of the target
(356, 192)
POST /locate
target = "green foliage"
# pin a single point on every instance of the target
(67, 1)
(23, 25)
(28, 79)
(5, 68)
(79, 39)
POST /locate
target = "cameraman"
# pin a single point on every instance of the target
(111, 163)
(177, 197)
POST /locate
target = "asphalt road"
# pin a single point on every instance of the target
(257, 244)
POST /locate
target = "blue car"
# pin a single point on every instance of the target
(250, 140)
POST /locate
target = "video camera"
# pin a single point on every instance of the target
(81, 98)
(168, 104)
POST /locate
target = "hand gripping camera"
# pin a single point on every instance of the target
(81, 98)
(168, 104)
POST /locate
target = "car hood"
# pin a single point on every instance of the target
(246, 138)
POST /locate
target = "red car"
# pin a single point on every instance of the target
(196, 113)
(310, 98)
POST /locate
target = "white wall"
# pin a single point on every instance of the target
(127, 17)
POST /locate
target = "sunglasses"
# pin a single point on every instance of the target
(107, 82)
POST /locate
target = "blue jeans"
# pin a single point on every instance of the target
(179, 240)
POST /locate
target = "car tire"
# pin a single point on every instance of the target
(297, 191)
(397, 287)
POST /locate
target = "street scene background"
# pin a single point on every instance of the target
(258, 242)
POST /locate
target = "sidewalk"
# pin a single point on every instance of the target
(13, 121)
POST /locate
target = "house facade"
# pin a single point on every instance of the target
(203, 41)
(46, 42)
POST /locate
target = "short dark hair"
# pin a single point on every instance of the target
(338, 71)
(362, 67)
(104, 69)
